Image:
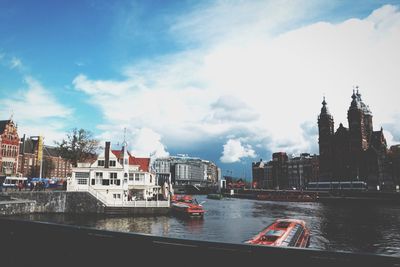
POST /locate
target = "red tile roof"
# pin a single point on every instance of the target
(143, 163)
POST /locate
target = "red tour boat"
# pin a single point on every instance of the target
(186, 205)
(283, 233)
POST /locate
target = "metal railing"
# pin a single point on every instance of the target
(139, 203)
(121, 203)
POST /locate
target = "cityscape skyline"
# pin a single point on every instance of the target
(231, 82)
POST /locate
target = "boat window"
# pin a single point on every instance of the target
(275, 233)
(283, 224)
(269, 238)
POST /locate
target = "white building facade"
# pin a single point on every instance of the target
(118, 179)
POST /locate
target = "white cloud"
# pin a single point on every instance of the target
(37, 111)
(142, 142)
(146, 142)
(234, 151)
(252, 78)
(15, 63)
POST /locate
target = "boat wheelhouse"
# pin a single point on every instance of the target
(283, 233)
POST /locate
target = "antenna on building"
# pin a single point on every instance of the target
(124, 143)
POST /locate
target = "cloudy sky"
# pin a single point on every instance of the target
(228, 81)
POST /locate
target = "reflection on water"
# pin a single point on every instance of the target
(343, 227)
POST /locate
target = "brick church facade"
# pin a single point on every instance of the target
(356, 153)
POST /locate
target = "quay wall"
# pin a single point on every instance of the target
(15, 207)
(24, 202)
(328, 196)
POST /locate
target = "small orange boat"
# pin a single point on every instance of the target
(283, 233)
(187, 206)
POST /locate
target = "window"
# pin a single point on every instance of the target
(131, 176)
(81, 175)
(112, 163)
(113, 178)
(82, 181)
(100, 163)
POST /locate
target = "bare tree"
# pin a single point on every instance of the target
(79, 146)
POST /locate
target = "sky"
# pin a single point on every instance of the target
(227, 81)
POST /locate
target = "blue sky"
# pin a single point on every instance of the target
(228, 81)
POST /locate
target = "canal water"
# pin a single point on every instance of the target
(366, 228)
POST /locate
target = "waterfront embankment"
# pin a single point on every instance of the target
(324, 196)
(27, 202)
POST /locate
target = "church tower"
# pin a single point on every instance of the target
(326, 132)
(358, 122)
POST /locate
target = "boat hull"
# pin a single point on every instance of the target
(283, 233)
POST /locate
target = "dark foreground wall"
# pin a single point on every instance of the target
(27, 243)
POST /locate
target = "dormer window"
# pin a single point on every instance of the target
(100, 163)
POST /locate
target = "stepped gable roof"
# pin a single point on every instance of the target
(3, 125)
(143, 163)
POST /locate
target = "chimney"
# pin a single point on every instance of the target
(107, 155)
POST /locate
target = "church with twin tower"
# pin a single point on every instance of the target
(353, 153)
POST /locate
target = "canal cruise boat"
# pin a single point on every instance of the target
(186, 206)
(283, 233)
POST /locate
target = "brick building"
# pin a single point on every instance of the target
(53, 164)
(9, 145)
(283, 172)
